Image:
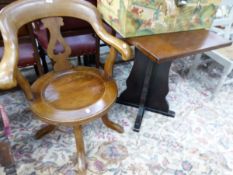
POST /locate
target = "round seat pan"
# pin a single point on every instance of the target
(78, 95)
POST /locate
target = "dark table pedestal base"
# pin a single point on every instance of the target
(147, 87)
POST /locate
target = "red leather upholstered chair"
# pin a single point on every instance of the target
(28, 53)
(78, 34)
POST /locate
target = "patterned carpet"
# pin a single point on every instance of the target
(198, 141)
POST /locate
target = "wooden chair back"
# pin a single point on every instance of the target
(18, 13)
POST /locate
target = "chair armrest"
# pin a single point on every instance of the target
(8, 65)
(121, 46)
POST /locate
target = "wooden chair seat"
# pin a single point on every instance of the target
(77, 95)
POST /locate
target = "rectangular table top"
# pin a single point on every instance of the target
(169, 46)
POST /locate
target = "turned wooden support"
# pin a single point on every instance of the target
(44, 131)
(112, 125)
(80, 149)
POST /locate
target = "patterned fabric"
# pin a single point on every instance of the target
(144, 17)
(198, 141)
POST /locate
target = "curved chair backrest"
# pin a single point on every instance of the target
(15, 15)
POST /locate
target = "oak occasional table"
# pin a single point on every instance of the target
(147, 84)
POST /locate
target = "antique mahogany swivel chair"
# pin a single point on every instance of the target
(71, 96)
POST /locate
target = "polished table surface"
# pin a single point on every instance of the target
(147, 84)
(169, 46)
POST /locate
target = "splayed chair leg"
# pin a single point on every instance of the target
(44, 131)
(112, 125)
(80, 149)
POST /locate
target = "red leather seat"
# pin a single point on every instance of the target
(83, 44)
(26, 55)
(86, 45)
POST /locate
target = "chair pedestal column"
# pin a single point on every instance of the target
(80, 149)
